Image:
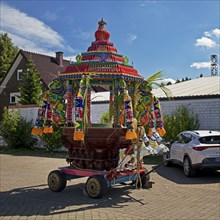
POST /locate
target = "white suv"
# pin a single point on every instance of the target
(195, 150)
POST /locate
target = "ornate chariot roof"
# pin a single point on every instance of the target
(102, 59)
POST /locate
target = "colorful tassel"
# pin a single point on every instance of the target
(131, 135)
(48, 130)
(37, 131)
(161, 131)
(78, 136)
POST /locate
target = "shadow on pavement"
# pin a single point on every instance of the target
(175, 174)
(39, 200)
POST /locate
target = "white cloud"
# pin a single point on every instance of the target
(205, 42)
(216, 32)
(70, 58)
(165, 81)
(82, 34)
(51, 16)
(144, 3)
(200, 65)
(208, 40)
(30, 33)
(131, 38)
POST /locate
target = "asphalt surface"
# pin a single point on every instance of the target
(24, 194)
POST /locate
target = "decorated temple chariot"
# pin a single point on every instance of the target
(134, 118)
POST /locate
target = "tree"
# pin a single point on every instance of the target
(8, 53)
(15, 130)
(30, 86)
(181, 120)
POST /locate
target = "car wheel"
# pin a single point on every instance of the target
(187, 167)
(166, 162)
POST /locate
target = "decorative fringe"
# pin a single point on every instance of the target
(78, 136)
(150, 132)
(161, 131)
(130, 135)
(37, 131)
(48, 130)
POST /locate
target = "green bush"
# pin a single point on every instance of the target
(105, 117)
(181, 120)
(15, 130)
(52, 141)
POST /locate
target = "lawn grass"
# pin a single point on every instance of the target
(32, 152)
(154, 159)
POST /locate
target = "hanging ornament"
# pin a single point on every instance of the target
(78, 133)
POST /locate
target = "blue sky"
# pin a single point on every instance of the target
(177, 37)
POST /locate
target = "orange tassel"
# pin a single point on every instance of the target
(150, 132)
(48, 130)
(37, 131)
(161, 131)
(78, 136)
(130, 135)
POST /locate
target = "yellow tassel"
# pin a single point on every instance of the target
(78, 136)
(37, 131)
(48, 130)
(153, 143)
(161, 131)
(131, 135)
(79, 94)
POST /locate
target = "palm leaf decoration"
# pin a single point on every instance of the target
(87, 87)
(136, 95)
(152, 80)
(155, 77)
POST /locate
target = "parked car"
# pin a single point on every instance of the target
(195, 150)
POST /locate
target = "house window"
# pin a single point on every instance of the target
(14, 97)
(19, 73)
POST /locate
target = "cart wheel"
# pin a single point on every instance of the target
(96, 186)
(56, 181)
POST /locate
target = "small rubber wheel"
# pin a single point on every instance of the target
(96, 186)
(187, 167)
(56, 181)
(167, 163)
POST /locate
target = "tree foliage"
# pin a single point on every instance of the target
(105, 117)
(180, 120)
(15, 130)
(30, 86)
(52, 141)
(8, 53)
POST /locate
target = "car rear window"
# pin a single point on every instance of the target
(210, 140)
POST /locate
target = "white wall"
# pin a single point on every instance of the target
(28, 112)
(97, 110)
(208, 110)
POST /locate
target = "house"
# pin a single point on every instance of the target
(48, 68)
(201, 96)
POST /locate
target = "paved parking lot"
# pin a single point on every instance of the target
(24, 195)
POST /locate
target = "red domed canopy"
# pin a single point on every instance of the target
(103, 60)
(101, 34)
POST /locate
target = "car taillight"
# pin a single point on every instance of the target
(201, 148)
